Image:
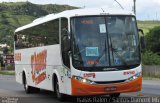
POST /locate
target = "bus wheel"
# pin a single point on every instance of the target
(27, 88)
(36, 90)
(116, 95)
(59, 95)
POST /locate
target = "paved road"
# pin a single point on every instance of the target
(9, 88)
(151, 88)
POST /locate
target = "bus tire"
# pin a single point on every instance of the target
(35, 90)
(27, 88)
(59, 95)
(115, 95)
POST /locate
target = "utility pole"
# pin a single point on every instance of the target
(134, 6)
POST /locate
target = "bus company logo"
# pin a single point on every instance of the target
(129, 72)
(38, 65)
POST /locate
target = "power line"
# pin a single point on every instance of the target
(119, 4)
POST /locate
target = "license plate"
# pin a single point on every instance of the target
(109, 89)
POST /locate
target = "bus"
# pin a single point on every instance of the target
(80, 52)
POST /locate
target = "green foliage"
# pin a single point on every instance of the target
(14, 15)
(150, 58)
(151, 55)
(147, 25)
(153, 40)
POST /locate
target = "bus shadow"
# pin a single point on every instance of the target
(49, 97)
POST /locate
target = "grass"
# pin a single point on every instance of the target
(24, 19)
(147, 25)
(6, 72)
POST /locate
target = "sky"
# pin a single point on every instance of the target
(145, 9)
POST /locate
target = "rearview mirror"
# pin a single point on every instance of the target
(142, 39)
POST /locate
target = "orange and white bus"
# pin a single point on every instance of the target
(79, 53)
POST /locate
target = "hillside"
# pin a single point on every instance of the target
(13, 15)
(147, 25)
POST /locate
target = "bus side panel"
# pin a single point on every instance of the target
(45, 62)
(18, 73)
(67, 81)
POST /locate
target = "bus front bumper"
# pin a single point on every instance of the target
(84, 89)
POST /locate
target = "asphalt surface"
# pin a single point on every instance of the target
(151, 88)
(13, 92)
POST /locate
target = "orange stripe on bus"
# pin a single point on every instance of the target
(83, 89)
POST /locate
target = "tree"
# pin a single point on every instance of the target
(153, 40)
(5, 50)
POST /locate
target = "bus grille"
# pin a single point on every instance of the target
(109, 82)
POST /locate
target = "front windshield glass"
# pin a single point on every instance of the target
(106, 41)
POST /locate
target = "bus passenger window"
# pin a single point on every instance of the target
(37, 36)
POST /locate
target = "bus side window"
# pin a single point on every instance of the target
(64, 28)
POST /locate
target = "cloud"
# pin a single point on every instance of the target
(146, 9)
(12, 0)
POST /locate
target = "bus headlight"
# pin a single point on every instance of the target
(134, 77)
(84, 80)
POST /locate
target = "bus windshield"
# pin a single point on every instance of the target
(105, 42)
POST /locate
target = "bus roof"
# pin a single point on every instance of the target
(76, 12)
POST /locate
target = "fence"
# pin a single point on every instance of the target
(151, 71)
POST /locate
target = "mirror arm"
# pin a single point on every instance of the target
(140, 30)
(15, 37)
